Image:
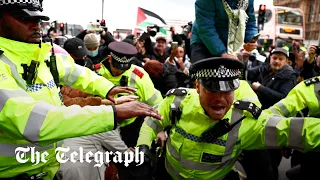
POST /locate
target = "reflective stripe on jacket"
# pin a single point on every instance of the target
(33, 115)
(190, 157)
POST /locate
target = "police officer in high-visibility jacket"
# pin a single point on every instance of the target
(210, 126)
(117, 69)
(31, 111)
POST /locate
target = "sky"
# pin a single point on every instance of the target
(121, 14)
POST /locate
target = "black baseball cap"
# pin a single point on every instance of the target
(122, 53)
(280, 50)
(76, 48)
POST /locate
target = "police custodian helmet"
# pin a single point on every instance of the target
(24, 8)
(217, 74)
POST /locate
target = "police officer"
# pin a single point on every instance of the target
(31, 111)
(305, 96)
(206, 138)
(117, 69)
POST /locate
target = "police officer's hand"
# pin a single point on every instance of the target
(161, 137)
(118, 89)
(312, 53)
(230, 56)
(134, 109)
(124, 99)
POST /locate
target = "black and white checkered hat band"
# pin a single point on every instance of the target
(216, 73)
(31, 3)
(123, 60)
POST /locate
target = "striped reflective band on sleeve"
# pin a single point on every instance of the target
(155, 125)
(284, 111)
(69, 77)
(14, 71)
(5, 95)
(232, 139)
(152, 99)
(9, 149)
(295, 133)
(316, 92)
(35, 121)
(133, 80)
(271, 139)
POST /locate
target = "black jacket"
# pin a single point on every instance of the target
(310, 70)
(167, 80)
(274, 86)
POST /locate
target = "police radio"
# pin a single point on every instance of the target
(30, 72)
(124, 81)
(53, 66)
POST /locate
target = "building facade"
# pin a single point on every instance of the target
(311, 9)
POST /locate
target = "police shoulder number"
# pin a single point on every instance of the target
(177, 92)
(310, 81)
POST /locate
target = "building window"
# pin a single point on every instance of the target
(311, 15)
(319, 17)
(307, 35)
(316, 35)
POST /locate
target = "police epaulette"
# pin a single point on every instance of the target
(177, 92)
(248, 106)
(310, 81)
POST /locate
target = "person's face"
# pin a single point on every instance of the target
(20, 29)
(215, 104)
(161, 45)
(318, 61)
(278, 61)
(180, 52)
(115, 71)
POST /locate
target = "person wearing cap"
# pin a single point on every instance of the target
(272, 82)
(210, 125)
(160, 49)
(92, 43)
(117, 69)
(31, 109)
(79, 52)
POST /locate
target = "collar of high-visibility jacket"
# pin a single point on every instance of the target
(26, 51)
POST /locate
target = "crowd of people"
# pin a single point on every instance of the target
(206, 97)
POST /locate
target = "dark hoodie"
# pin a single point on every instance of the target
(274, 86)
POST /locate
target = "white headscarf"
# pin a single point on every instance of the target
(237, 25)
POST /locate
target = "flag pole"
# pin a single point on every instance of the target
(102, 9)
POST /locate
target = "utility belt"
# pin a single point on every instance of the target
(27, 177)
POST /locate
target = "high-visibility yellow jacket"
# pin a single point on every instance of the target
(304, 95)
(189, 156)
(33, 115)
(139, 79)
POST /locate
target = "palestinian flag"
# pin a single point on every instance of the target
(147, 18)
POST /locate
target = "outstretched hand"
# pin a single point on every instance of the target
(134, 109)
(118, 90)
